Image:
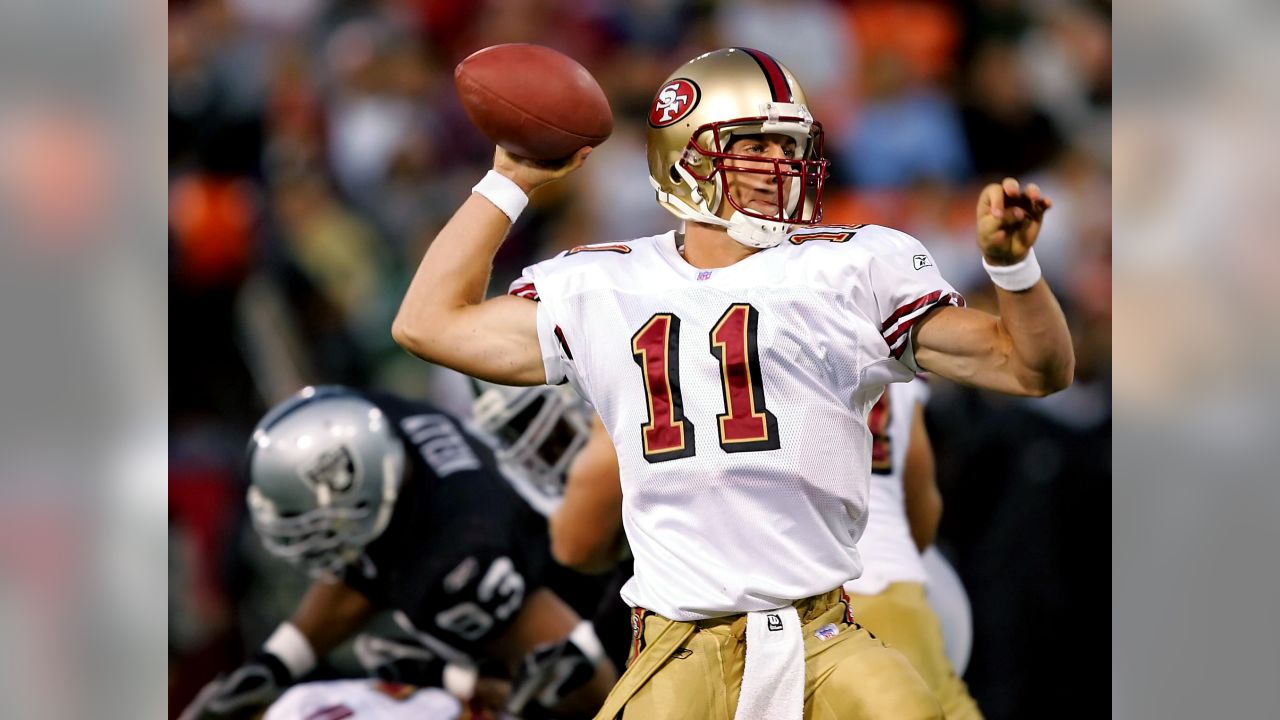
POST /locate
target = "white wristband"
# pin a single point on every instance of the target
(292, 647)
(503, 192)
(584, 636)
(460, 680)
(1017, 277)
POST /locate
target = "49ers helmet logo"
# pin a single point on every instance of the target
(675, 100)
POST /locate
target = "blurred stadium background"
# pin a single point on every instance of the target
(315, 147)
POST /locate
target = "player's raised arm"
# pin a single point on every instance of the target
(444, 317)
(1026, 350)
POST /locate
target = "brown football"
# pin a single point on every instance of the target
(533, 101)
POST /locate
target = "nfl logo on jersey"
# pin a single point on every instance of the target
(704, 275)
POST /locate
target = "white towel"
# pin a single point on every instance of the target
(773, 679)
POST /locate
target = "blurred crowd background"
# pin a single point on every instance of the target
(316, 146)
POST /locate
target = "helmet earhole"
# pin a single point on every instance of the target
(675, 176)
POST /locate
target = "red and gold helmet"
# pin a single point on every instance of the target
(706, 101)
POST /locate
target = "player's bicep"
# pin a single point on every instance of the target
(968, 346)
(496, 340)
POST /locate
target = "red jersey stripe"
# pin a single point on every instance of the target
(909, 308)
(527, 290)
(904, 327)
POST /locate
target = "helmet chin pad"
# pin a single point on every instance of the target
(756, 233)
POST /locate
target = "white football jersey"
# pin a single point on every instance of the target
(363, 700)
(889, 553)
(737, 400)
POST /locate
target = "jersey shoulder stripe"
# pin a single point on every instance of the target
(828, 233)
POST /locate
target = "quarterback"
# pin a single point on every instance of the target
(733, 364)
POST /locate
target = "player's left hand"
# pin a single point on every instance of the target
(1009, 220)
(548, 674)
(241, 695)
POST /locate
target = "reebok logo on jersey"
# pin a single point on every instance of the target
(775, 622)
(826, 632)
(921, 261)
(704, 275)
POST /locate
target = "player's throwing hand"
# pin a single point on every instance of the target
(532, 174)
(1009, 220)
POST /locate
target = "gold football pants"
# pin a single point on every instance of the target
(902, 618)
(693, 670)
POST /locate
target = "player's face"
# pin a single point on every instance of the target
(757, 191)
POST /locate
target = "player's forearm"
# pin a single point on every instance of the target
(453, 274)
(1041, 351)
(923, 518)
(330, 613)
(584, 548)
(921, 497)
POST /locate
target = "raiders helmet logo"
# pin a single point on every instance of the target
(334, 469)
(675, 100)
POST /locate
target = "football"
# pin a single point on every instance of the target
(533, 101)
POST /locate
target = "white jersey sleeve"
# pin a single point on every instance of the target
(557, 358)
(905, 284)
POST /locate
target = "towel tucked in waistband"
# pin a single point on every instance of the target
(773, 678)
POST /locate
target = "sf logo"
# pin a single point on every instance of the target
(674, 101)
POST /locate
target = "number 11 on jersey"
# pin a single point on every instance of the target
(746, 425)
(656, 348)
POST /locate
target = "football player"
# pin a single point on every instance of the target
(394, 504)
(889, 598)
(905, 507)
(733, 364)
(552, 438)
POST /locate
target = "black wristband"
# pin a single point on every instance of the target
(279, 671)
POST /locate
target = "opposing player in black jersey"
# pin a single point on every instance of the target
(394, 504)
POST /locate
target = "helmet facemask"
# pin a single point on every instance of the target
(320, 541)
(540, 431)
(706, 162)
(326, 539)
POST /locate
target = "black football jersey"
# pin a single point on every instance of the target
(462, 550)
